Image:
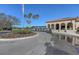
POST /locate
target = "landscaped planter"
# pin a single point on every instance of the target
(12, 35)
(19, 38)
(17, 34)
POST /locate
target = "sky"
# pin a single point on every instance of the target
(46, 12)
(52, 12)
(13, 10)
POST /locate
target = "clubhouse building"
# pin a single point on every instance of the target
(67, 27)
(64, 25)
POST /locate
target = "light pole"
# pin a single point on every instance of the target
(23, 12)
(23, 9)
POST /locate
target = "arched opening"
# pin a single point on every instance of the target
(63, 26)
(49, 26)
(52, 26)
(70, 26)
(57, 26)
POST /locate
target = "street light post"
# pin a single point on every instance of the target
(23, 12)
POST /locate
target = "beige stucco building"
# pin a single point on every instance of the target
(64, 25)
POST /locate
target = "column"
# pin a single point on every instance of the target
(54, 26)
(59, 27)
(73, 22)
(65, 27)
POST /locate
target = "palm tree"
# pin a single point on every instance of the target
(30, 16)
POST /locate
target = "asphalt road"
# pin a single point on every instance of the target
(39, 45)
(31, 46)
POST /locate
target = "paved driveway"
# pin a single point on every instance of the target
(40, 45)
(31, 46)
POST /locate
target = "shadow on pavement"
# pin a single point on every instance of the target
(50, 50)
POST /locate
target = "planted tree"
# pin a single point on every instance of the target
(7, 22)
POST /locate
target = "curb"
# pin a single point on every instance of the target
(13, 39)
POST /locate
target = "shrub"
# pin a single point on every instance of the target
(22, 31)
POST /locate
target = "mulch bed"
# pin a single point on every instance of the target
(13, 35)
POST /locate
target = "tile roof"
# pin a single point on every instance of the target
(63, 19)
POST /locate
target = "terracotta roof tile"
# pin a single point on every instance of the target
(63, 19)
